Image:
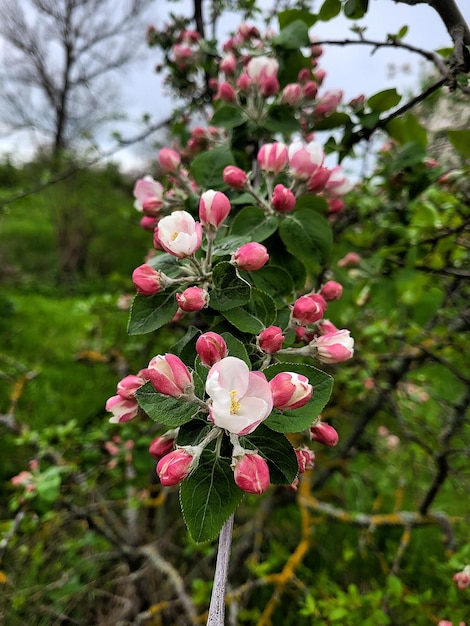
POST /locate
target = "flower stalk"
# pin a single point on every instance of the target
(216, 615)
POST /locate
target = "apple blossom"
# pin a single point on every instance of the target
(123, 409)
(292, 94)
(169, 375)
(462, 579)
(351, 259)
(179, 234)
(234, 177)
(228, 64)
(239, 399)
(192, 299)
(334, 347)
(272, 157)
(148, 195)
(214, 207)
(211, 348)
(305, 458)
(328, 103)
(147, 280)
(169, 160)
(251, 256)
(283, 200)
(163, 444)
(270, 339)
(324, 433)
(225, 92)
(251, 473)
(325, 326)
(128, 385)
(305, 160)
(263, 72)
(175, 467)
(309, 308)
(290, 390)
(337, 182)
(331, 290)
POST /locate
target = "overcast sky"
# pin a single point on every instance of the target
(351, 68)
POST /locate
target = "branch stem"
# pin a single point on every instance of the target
(217, 605)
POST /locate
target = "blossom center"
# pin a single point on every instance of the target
(234, 402)
(174, 235)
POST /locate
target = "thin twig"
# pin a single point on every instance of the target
(217, 606)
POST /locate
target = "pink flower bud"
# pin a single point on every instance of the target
(225, 92)
(123, 409)
(147, 280)
(351, 259)
(325, 326)
(175, 467)
(283, 199)
(338, 183)
(290, 390)
(149, 223)
(162, 445)
(192, 299)
(304, 75)
(211, 348)
(251, 473)
(318, 180)
(334, 347)
(127, 386)
(234, 177)
(309, 309)
(310, 90)
(292, 94)
(462, 579)
(304, 161)
(261, 69)
(335, 205)
(319, 76)
(305, 458)
(169, 160)
(169, 375)
(148, 195)
(270, 339)
(329, 101)
(269, 86)
(272, 157)
(331, 290)
(250, 257)
(228, 64)
(324, 433)
(244, 82)
(214, 206)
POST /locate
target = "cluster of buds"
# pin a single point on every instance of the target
(237, 400)
(462, 579)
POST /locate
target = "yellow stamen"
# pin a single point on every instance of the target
(174, 235)
(235, 403)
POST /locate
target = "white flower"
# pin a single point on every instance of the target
(179, 234)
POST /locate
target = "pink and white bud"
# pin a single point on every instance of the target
(334, 347)
(244, 82)
(304, 75)
(147, 280)
(169, 375)
(445, 622)
(317, 182)
(251, 473)
(462, 579)
(335, 205)
(175, 467)
(292, 94)
(331, 290)
(128, 385)
(272, 157)
(324, 433)
(163, 444)
(149, 223)
(270, 339)
(319, 76)
(251, 256)
(351, 259)
(239, 399)
(283, 200)
(179, 234)
(262, 68)
(234, 177)
(148, 194)
(290, 391)
(325, 326)
(211, 348)
(192, 299)
(123, 409)
(309, 309)
(305, 458)
(304, 161)
(169, 160)
(225, 92)
(338, 183)
(214, 207)
(328, 103)
(228, 64)
(310, 90)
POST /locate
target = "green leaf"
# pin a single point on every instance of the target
(355, 9)
(273, 280)
(278, 452)
(151, 312)
(229, 290)
(300, 419)
(207, 167)
(407, 128)
(307, 235)
(281, 119)
(48, 484)
(252, 221)
(384, 100)
(166, 410)
(329, 9)
(335, 120)
(236, 348)
(256, 315)
(293, 36)
(292, 15)
(460, 139)
(408, 155)
(193, 432)
(228, 116)
(311, 201)
(209, 496)
(229, 244)
(402, 32)
(166, 263)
